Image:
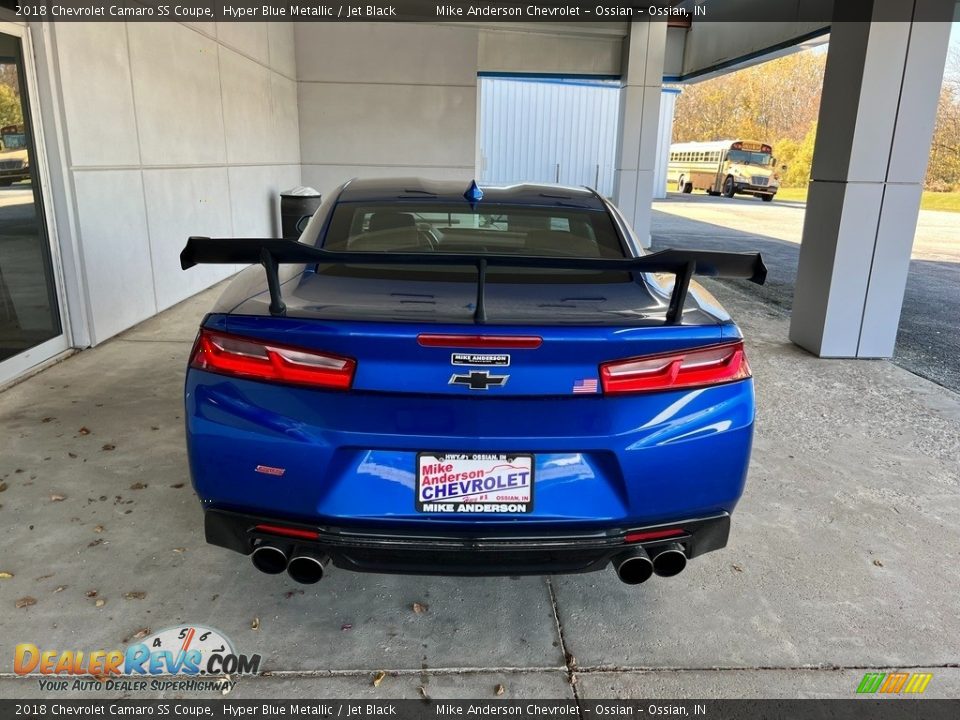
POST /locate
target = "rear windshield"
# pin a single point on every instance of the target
(413, 227)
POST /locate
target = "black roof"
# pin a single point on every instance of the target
(404, 189)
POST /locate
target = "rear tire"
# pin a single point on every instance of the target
(767, 198)
(728, 189)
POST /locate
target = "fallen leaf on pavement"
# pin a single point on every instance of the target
(346, 626)
(423, 692)
(138, 486)
(179, 550)
(84, 431)
(94, 543)
(91, 593)
(177, 486)
(48, 419)
(100, 602)
(57, 497)
(60, 588)
(737, 568)
(378, 678)
(108, 446)
(3, 486)
(878, 563)
(420, 608)
(26, 602)
(98, 529)
(255, 625)
(498, 690)
(135, 595)
(5, 575)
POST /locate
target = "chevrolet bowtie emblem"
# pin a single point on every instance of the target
(479, 380)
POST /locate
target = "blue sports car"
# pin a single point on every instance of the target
(439, 378)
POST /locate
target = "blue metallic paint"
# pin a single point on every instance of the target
(349, 457)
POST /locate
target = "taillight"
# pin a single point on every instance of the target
(262, 360)
(689, 368)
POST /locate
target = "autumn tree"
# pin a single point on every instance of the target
(10, 111)
(779, 101)
(776, 100)
(943, 170)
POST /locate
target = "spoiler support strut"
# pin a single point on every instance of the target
(272, 252)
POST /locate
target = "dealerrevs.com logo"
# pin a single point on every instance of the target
(187, 658)
(894, 683)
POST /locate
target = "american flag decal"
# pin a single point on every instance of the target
(587, 385)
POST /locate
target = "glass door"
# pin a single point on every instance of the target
(31, 326)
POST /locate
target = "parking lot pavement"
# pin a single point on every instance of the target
(843, 556)
(928, 342)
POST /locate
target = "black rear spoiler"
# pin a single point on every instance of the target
(271, 252)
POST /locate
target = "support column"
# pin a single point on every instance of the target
(877, 113)
(639, 119)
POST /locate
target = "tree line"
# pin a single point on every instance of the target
(778, 103)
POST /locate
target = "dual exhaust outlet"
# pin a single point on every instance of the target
(305, 568)
(635, 566)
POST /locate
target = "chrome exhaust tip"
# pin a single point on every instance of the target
(269, 559)
(633, 567)
(307, 569)
(670, 560)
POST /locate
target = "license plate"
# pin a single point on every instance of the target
(491, 483)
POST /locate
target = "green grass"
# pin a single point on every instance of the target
(949, 201)
(941, 201)
(794, 194)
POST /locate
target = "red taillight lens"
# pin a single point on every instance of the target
(261, 360)
(503, 342)
(690, 368)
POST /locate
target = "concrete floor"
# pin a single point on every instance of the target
(928, 342)
(843, 556)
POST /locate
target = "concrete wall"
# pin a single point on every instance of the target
(552, 48)
(668, 104)
(168, 130)
(379, 99)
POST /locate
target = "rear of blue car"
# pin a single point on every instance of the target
(375, 425)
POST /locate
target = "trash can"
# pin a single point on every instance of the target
(295, 205)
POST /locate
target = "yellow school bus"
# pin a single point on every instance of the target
(724, 167)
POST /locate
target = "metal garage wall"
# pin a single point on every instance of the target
(549, 130)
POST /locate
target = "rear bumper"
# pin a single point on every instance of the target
(448, 553)
(748, 189)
